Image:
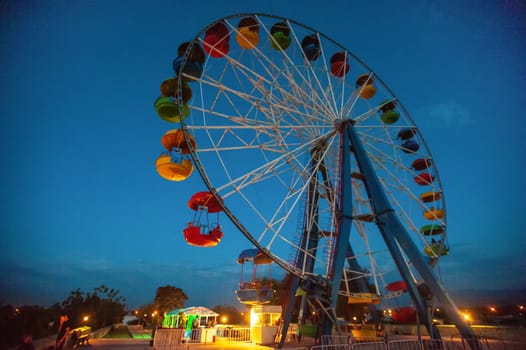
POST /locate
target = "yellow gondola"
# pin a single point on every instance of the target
(433, 213)
(365, 84)
(173, 171)
(428, 197)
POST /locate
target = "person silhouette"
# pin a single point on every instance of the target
(63, 331)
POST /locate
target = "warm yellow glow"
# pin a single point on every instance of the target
(354, 318)
(86, 318)
(224, 319)
(466, 316)
(492, 309)
(136, 312)
(254, 318)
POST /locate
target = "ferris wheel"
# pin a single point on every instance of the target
(314, 159)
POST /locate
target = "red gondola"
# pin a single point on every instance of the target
(339, 64)
(405, 314)
(396, 286)
(204, 200)
(194, 237)
(406, 133)
(424, 179)
(421, 164)
(198, 232)
(216, 41)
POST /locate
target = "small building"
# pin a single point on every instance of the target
(195, 322)
(264, 323)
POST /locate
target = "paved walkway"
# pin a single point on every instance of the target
(142, 344)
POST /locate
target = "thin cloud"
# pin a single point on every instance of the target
(448, 114)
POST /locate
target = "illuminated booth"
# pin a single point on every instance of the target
(191, 318)
(264, 322)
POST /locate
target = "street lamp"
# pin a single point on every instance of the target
(85, 318)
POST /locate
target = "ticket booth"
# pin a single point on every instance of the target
(264, 322)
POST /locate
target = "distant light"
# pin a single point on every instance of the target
(86, 318)
(492, 309)
(224, 319)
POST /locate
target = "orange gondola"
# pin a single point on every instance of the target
(205, 200)
(339, 64)
(433, 213)
(174, 139)
(247, 35)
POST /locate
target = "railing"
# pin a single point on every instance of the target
(458, 343)
(232, 335)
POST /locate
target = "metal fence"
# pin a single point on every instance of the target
(376, 343)
(232, 335)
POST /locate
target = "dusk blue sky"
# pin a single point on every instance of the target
(82, 205)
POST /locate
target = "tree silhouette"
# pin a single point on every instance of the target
(168, 298)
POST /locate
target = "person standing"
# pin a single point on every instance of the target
(63, 331)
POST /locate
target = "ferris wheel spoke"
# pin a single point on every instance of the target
(319, 101)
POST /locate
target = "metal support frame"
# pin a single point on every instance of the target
(397, 239)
